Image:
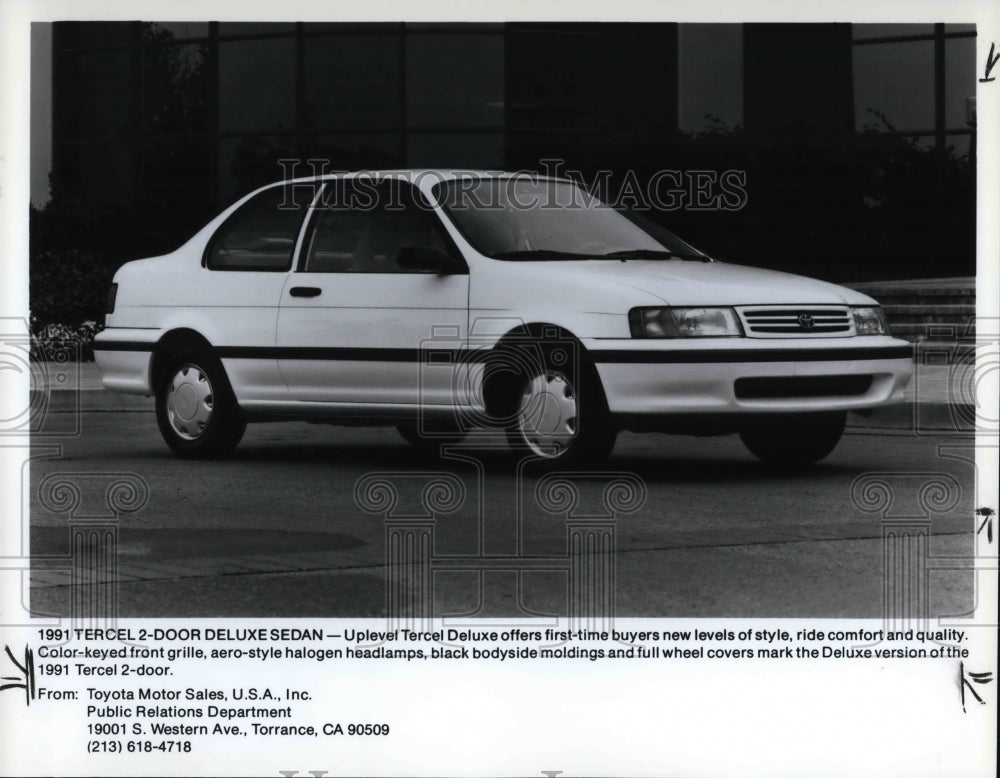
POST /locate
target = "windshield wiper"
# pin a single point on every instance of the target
(655, 254)
(624, 254)
(640, 254)
(541, 254)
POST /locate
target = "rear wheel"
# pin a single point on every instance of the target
(794, 440)
(195, 407)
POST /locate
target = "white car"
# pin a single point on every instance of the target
(437, 301)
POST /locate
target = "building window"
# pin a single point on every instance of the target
(97, 94)
(913, 80)
(257, 85)
(454, 101)
(710, 82)
(352, 82)
(175, 80)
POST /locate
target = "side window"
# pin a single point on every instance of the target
(261, 235)
(362, 230)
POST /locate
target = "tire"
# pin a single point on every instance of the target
(429, 436)
(560, 419)
(195, 407)
(794, 440)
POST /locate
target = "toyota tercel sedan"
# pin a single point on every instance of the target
(440, 301)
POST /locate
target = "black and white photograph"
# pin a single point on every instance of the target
(500, 348)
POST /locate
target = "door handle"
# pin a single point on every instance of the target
(305, 291)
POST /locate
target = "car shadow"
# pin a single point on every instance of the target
(660, 468)
(723, 470)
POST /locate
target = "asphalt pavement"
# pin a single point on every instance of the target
(291, 524)
(940, 396)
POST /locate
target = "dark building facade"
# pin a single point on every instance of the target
(854, 140)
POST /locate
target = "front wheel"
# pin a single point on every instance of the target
(559, 420)
(195, 407)
(794, 439)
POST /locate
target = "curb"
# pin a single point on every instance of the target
(940, 417)
(67, 401)
(918, 417)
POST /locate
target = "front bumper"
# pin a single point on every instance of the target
(671, 377)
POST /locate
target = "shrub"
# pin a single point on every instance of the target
(68, 287)
(63, 343)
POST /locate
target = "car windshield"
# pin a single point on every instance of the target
(524, 218)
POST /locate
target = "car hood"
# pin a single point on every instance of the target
(684, 282)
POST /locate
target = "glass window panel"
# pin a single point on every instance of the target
(310, 28)
(257, 85)
(352, 82)
(261, 235)
(96, 95)
(177, 175)
(174, 192)
(594, 78)
(895, 80)
(704, 51)
(960, 28)
(862, 31)
(455, 27)
(175, 88)
(102, 170)
(455, 150)
(74, 35)
(960, 79)
(364, 231)
(367, 151)
(251, 162)
(255, 28)
(960, 144)
(454, 81)
(161, 32)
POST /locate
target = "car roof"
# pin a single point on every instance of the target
(419, 175)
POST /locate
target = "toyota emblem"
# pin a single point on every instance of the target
(806, 321)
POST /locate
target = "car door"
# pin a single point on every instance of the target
(235, 300)
(355, 327)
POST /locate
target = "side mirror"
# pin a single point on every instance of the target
(429, 259)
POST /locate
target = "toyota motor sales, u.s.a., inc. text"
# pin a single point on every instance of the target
(150, 712)
(181, 690)
(145, 713)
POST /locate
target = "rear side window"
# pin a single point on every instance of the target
(261, 234)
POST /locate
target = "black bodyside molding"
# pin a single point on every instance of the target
(715, 356)
(619, 356)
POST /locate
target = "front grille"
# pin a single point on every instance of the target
(796, 322)
(801, 386)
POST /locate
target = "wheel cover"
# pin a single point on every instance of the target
(189, 402)
(547, 416)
